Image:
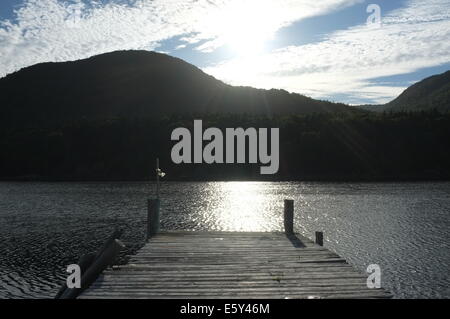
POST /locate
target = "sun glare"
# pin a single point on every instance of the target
(245, 27)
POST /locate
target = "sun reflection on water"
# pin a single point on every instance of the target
(238, 206)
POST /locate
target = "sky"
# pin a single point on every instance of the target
(350, 51)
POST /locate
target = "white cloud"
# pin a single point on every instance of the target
(52, 30)
(411, 38)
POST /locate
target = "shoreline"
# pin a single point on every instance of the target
(281, 180)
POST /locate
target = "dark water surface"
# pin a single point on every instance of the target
(403, 227)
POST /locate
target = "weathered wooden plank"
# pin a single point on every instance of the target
(279, 292)
(239, 295)
(245, 285)
(222, 276)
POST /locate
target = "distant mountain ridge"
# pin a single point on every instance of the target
(432, 93)
(134, 84)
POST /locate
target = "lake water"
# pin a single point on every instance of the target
(403, 227)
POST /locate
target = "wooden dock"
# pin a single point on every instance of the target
(190, 265)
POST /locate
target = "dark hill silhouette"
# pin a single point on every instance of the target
(133, 84)
(432, 93)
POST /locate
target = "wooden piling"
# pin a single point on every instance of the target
(319, 238)
(153, 217)
(84, 262)
(106, 258)
(115, 235)
(288, 216)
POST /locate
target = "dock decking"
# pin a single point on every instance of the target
(232, 265)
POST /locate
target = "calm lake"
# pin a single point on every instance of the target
(403, 227)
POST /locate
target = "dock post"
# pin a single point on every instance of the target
(319, 238)
(289, 216)
(153, 217)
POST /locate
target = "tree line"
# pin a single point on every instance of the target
(322, 146)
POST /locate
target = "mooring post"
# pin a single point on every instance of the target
(319, 238)
(153, 217)
(289, 216)
(157, 178)
(153, 206)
